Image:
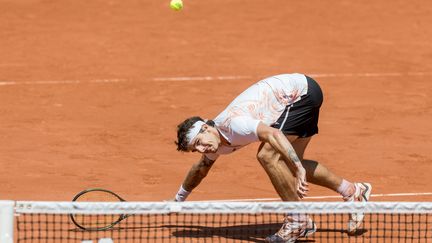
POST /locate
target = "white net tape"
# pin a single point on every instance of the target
(220, 207)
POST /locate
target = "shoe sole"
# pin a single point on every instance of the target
(368, 191)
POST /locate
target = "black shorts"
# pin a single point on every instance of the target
(301, 118)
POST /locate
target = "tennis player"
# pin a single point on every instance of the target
(282, 113)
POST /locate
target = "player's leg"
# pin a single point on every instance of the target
(280, 175)
(283, 180)
(318, 174)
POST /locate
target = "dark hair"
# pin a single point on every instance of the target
(183, 129)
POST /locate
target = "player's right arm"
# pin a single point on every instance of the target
(281, 144)
(194, 177)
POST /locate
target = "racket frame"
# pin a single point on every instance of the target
(107, 227)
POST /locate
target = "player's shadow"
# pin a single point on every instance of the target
(250, 232)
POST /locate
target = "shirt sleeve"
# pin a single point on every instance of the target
(245, 129)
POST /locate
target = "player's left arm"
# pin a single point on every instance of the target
(281, 144)
(196, 174)
(198, 171)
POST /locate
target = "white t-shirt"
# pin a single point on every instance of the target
(263, 102)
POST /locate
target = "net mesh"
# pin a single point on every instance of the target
(220, 222)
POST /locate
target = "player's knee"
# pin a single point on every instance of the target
(265, 157)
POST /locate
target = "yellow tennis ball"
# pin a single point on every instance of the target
(176, 5)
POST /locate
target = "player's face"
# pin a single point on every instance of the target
(206, 141)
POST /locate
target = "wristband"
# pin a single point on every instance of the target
(182, 194)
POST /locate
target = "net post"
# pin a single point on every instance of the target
(6, 221)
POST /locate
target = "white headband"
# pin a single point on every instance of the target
(193, 131)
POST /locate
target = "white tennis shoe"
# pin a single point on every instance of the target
(293, 229)
(361, 194)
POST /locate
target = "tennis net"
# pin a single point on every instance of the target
(28, 221)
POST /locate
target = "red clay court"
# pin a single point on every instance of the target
(91, 92)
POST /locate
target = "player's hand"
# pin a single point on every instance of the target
(302, 185)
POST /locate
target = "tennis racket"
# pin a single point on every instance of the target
(90, 222)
